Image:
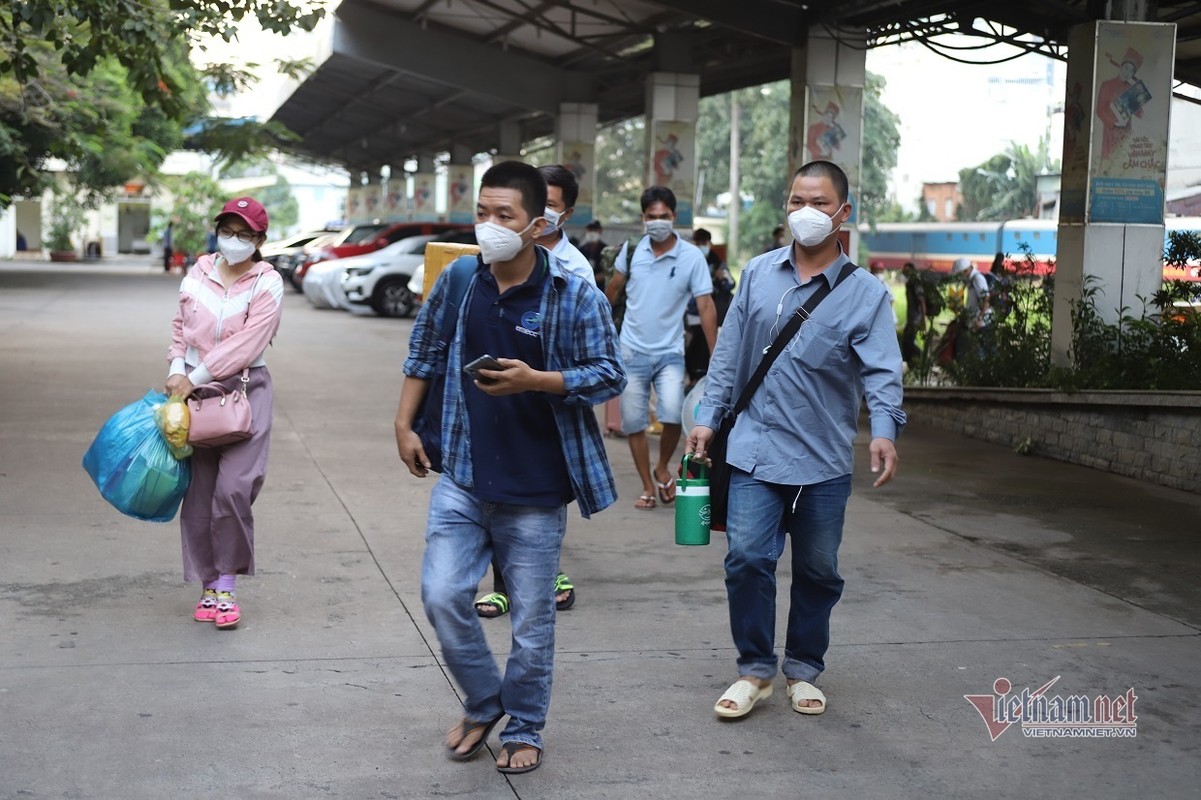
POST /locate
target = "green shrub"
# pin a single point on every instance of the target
(1159, 348)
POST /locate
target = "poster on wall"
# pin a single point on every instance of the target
(460, 201)
(424, 208)
(834, 131)
(396, 205)
(673, 163)
(1133, 68)
(354, 204)
(580, 159)
(1077, 126)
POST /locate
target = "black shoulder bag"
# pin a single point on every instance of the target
(719, 472)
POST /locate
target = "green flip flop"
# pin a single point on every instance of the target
(499, 603)
(564, 584)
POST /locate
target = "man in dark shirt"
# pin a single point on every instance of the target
(591, 247)
(696, 350)
(519, 442)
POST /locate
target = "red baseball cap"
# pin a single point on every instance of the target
(250, 210)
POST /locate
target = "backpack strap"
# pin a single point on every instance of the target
(456, 289)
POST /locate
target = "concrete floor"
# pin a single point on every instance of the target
(975, 564)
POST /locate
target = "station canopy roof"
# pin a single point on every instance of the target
(406, 77)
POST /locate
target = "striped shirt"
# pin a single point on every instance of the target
(578, 340)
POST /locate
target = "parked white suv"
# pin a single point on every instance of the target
(381, 279)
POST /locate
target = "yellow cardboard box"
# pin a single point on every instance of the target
(438, 255)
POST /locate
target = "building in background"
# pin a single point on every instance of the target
(942, 200)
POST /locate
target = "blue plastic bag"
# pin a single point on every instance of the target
(131, 463)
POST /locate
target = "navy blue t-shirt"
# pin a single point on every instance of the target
(516, 452)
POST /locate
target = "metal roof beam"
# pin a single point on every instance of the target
(369, 34)
(785, 23)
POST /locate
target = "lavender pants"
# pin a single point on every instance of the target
(216, 524)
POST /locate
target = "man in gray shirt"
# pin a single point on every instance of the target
(791, 451)
(659, 277)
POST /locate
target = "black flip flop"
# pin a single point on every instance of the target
(512, 747)
(466, 727)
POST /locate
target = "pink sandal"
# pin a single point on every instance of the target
(206, 609)
(228, 613)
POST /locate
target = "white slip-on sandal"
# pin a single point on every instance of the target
(801, 691)
(744, 694)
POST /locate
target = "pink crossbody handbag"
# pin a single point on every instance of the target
(219, 416)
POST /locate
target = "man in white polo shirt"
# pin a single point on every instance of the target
(659, 278)
(562, 189)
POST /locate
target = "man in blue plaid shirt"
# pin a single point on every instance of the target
(519, 443)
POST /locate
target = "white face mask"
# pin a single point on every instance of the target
(553, 220)
(809, 226)
(498, 243)
(592, 236)
(704, 248)
(235, 251)
(657, 229)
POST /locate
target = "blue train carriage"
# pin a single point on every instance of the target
(936, 245)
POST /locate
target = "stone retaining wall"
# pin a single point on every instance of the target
(1152, 436)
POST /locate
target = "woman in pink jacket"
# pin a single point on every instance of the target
(229, 310)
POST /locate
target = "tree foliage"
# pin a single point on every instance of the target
(881, 140)
(620, 168)
(86, 33)
(107, 86)
(96, 124)
(282, 207)
(763, 163)
(1005, 186)
(197, 199)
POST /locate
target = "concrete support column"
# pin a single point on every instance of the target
(460, 185)
(826, 120)
(1115, 154)
(672, 105)
(576, 149)
(508, 142)
(425, 181)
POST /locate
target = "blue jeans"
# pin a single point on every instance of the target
(461, 535)
(759, 516)
(664, 371)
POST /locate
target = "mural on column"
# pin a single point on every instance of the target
(460, 198)
(354, 204)
(673, 163)
(424, 207)
(371, 203)
(580, 159)
(1133, 63)
(834, 132)
(397, 202)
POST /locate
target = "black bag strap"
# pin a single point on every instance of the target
(778, 344)
(460, 272)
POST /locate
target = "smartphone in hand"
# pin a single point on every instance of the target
(483, 362)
